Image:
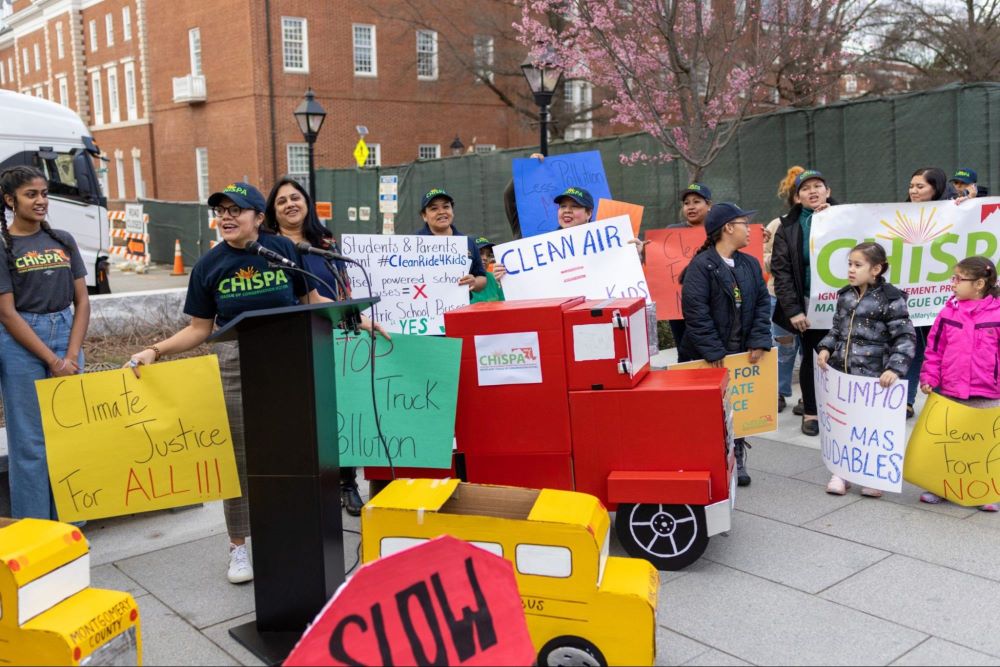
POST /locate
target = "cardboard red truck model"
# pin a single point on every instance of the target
(557, 394)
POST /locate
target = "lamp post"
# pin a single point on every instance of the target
(456, 146)
(543, 79)
(310, 116)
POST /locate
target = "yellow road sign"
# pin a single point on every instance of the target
(361, 152)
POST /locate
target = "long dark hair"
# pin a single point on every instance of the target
(937, 180)
(981, 268)
(312, 229)
(10, 181)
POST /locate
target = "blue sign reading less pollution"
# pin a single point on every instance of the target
(538, 182)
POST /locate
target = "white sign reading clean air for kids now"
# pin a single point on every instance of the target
(416, 277)
(512, 358)
(594, 260)
(862, 428)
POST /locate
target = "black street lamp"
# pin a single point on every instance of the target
(543, 79)
(456, 146)
(310, 116)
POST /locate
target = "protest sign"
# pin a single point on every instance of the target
(609, 208)
(594, 260)
(753, 391)
(923, 242)
(862, 428)
(954, 452)
(443, 602)
(415, 276)
(538, 182)
(416, 389)
(668, 253)
(118, 445)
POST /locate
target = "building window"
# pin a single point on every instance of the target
(850, 84)
(429, 151)
(3, 75)
(485, 148)
(126, 23)
(194, 47)
(374, 155)
(482, 47)
(140, 187)
(38, 91)
(295, 44)
(427, 54)
(63, 91)
(579, 100)
(38, 57)
(365, 54)
(92, 29)
(95, 89)
(298, 163)
(109, 28)
(25, 63)
(60, 42)
(131, 106)
(120, 176)
(113, 108)
(201, 169)
(10, 70)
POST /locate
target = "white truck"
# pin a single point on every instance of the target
(46, 135)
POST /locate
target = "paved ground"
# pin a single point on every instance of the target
(158, 277)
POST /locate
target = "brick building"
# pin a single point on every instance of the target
(184, 95)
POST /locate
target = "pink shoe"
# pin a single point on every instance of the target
(930, 498)
(991, 507)
(871, 493)
(837, 486)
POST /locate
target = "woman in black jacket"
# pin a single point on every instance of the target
(725, 300)
(791, 271)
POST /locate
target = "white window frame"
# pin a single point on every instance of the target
(10, 70)
(63, 90)
(98, 97)
(38, 91)
(374, 156)
(485, 148)
(36, 47)
(374, 49)
(109, 29)
(140, 187)
(429, 152)
(201, 172)
(194, 51)
(120, 175)
(291, 23)
(126, 23)
(579, 95)
(850, 84)
(131, 101)
(60, 41)
(92, 28)
(25, 63)
(297, 162)
(484, 52)
(3, 75)
(429, 55)
(114, 103)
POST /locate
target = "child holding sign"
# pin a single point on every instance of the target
(872, 334)
(41, 274)
(726, 306)
(963, 349)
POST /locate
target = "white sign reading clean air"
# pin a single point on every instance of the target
(512, 358)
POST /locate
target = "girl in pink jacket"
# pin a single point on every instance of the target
(962, 360)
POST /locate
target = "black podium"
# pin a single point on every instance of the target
(290, 420)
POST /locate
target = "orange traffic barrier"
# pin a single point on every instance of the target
(178, 260)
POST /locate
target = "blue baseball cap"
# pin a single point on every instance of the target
(483, 242)
(808, 175)
(432, 195)
(963, 175)
(579, 195)
(699, 189)
(243, 195)
(722, 213)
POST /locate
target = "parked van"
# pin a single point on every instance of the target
(580, 603)
(46, 135)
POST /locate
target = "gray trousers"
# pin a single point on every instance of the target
(237, 510)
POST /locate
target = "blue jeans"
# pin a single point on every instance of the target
(913, 375)
(786, 355)
(30, 494)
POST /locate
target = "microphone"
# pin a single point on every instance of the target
(257, 248)
(302, 246)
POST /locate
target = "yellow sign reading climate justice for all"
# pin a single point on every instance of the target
(117, 444)
(954, 452)
(753, 391)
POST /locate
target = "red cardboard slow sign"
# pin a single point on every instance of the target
(444, 602)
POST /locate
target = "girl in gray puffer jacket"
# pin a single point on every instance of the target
(872, 334)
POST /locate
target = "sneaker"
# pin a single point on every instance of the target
(871, 493)
(350, 499)
(810, 426)
(742, 476)
(909, 411)
(991, 507)
(930, 498)
(781, 403)
(799, 410)
(240, 570)
(837, 486)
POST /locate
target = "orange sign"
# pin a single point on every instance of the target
(609, 208)
(669, 252)
(324, 210)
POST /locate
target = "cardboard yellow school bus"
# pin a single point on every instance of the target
(583, 606)
(49, 614)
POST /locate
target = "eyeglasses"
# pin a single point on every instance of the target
(234, 210)
(959, 279)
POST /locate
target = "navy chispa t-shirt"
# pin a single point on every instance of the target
(227, 282)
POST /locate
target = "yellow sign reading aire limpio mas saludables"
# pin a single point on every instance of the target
(117, 444)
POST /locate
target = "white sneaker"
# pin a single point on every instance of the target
(240, 570)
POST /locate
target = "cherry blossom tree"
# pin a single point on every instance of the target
(686, 71)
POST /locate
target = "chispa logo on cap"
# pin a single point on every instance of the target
(809, 173)
(962, 172)
(232, 187)
(576, 192)
(695, 187)
(435, 191)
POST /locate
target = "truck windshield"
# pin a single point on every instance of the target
(71, 175)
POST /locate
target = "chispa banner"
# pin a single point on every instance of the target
(923, 242)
